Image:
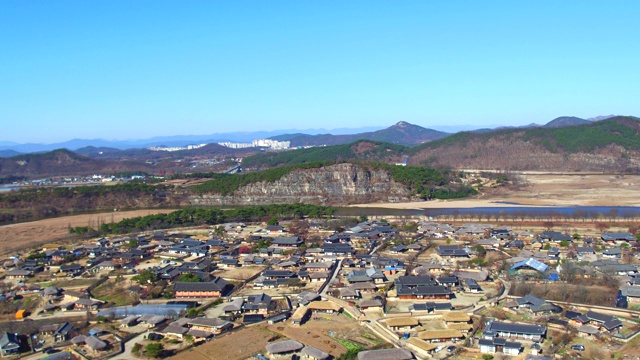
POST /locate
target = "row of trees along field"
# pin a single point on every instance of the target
(197, 216)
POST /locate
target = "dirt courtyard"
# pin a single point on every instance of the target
(545, 189)
(23, 235)
(238, 345)
(241, 273)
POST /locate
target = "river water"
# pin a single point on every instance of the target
(513, 211)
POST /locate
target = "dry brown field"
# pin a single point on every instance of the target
(631, 350)
(241, 273)
(246, 342)
(36, 233)
(238, 345)
(546, 189)
(575, 189)
(314, 333)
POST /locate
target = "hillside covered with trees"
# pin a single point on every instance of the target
(607, 145)
(420, 182)
(363, 150)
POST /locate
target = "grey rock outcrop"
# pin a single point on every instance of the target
(331, 185)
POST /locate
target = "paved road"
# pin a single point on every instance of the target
(377, 329)
(373, 251)
(506, 289)
(336, 270)
(128, 346)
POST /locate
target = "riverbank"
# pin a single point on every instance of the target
(445, 204)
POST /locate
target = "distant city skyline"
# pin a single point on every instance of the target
(136, 70)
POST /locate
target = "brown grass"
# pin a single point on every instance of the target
(632, 348)
(241, 273)
(547, 189)
(315, 332)
(577, 293)
(24, 235)
(239, 345)
(310, 335)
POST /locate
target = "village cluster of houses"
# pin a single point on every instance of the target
(343, 266)
(95, 342)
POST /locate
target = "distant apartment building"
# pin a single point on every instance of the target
(233, 145)
(268, 143)
(176, 148)
(272, 144)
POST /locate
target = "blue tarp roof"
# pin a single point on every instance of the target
(170, 310)
(532, 263)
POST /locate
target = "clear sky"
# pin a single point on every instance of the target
(136, 69)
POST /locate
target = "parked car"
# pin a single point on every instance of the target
(50, 350)
(155, 337)
(451, 348)
(578, 347)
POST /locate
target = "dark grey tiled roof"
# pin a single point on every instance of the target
(516, 328)
(218, 284)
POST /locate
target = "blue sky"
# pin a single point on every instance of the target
(137, 69)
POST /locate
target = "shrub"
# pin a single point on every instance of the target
(154, 349)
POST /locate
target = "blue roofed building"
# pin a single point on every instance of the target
(530, 264)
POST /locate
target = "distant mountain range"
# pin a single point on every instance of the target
(401, 133)
(606, 145)
(178, 140)
(563, 144)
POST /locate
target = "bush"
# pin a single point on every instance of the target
(154, 350)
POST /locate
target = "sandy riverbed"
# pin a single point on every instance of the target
(545, 190)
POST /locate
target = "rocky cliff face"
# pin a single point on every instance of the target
(331, 185)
